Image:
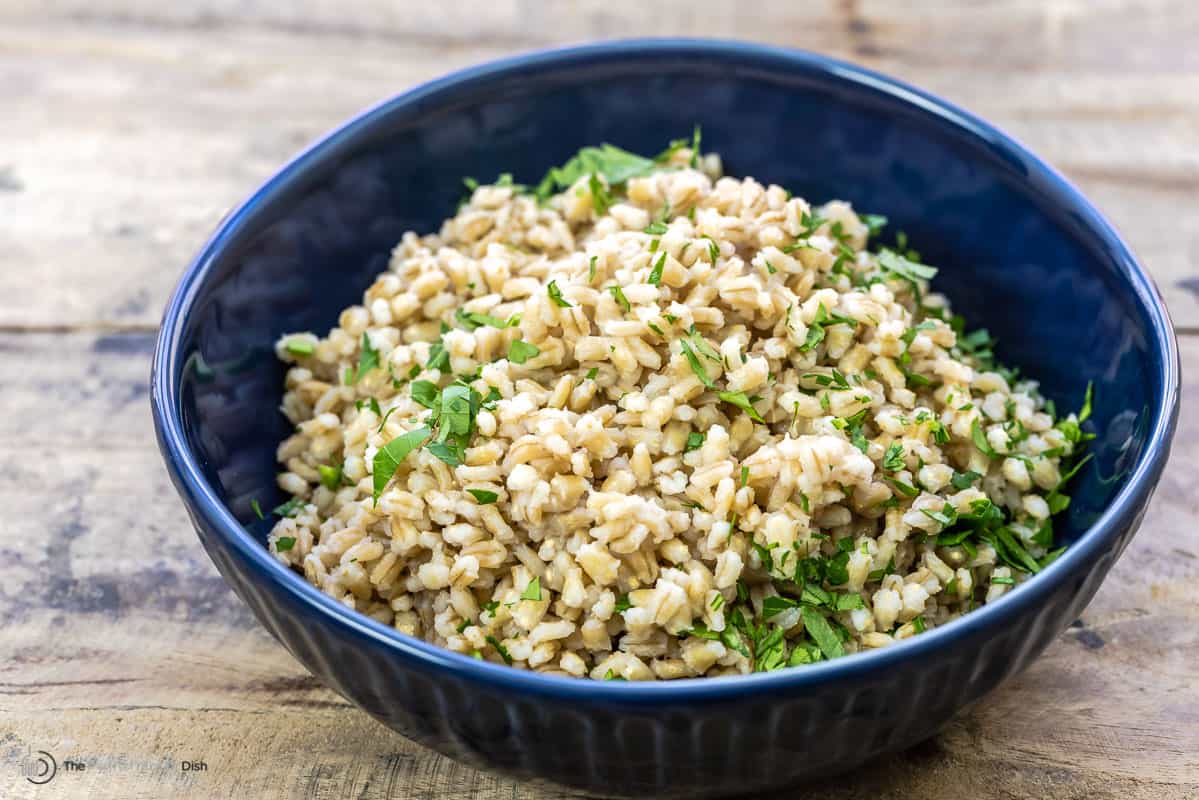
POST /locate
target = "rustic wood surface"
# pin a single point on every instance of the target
(130, 126)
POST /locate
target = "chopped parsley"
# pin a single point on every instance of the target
(257, 508)
(614, 164)
(533, 590)
(893, 460)
(330, 475)
(695, 440)
(285, 543)
(822, 633)
(696, 366)
(472, 320)
(964, 480)
(499, 648)
(822, 320)
(621, 300)
(425, 393)
(556, 295)
(742, 402)
(290, 508)
(484, 496)
(601, 198)
(299, 347)
(591, 373)
(656, 228)
(521, 351)
(623, 604)
(591, 268)
(368, 359)
(655, 275)
(392, 454)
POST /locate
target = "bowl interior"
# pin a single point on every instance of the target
(1017, 249)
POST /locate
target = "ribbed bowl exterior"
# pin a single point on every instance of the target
(718, 748)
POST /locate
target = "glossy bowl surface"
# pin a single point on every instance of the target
(1020, 250)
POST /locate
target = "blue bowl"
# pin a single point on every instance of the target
(1021, 252)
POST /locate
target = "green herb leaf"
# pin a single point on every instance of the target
(623, 604)
(556, 295)
(299, 347)
(742, 402)
(655, 274)
(696, 366)
(656, 228)
(284, 543)
(874, 223)
(290, 508)
(484, 496)
(533, 590)
(426, 393)
(601, 199)
(822, 633)
(980, 440)
(521, 351)
(964, 480)
(893, 262)
(591, 268)
(773, 606)
(621, 300)
(256, 508)
(368, 359)
(330, 476)
(472, 320)
(499, 648)
(695, 440)
(893, 460)
(614, 164)
(392, 454)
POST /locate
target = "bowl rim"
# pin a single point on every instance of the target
(188, 477)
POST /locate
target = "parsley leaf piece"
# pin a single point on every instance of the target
(655, 274)
(623, 604)
(1084, 413)
(288, 509)
(392, 454)
(621, 300)
(820, 631)
(713, 249)
(284, 543)
(425, 393)
(556, 295)
(964, 480)
(695, 440)
(521, 351)
(367, 360)
(330, 476)
(744, 475)
(894, 263)
(614, 164)
(874, 223)
(299, 347)
(903, 488)
(980, 440)
(533, 590)
(484, 496)
(655, 228)
(591, 373)
(475, 319)
(893, 460)
(773, 606)
(601, 199)
(591, 268)
(257, 508)
(696, 136)
(499, 648)
(742, 402)
(696, 366)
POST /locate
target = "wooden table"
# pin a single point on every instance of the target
(130, 126)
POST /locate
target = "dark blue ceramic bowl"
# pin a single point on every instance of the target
(1020, 251)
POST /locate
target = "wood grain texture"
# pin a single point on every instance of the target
(132, 125)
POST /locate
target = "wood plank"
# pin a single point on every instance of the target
(89, 193)
(124, 649)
